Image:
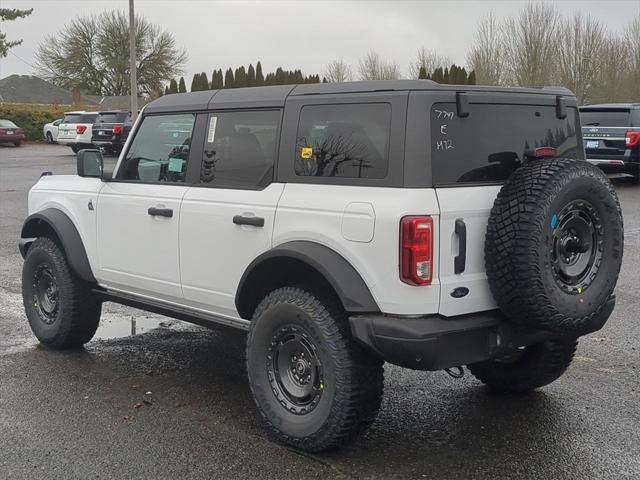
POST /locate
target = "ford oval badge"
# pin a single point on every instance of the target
(460, 292)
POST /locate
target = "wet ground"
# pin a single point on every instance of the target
(82, 415)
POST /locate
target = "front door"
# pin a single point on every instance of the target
(139, 211)
(227, 218)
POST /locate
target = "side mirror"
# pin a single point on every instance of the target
(90, 163)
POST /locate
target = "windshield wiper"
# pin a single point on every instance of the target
(593, 124)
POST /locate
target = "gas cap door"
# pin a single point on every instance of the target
(358, 222)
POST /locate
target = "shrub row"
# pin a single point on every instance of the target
(31, 117)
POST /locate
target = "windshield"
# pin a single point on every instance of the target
(605, 118)
(7, 124)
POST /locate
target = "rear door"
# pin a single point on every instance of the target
(67, 128)
(472, 156)
(227, 217)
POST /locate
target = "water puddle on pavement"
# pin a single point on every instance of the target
(119, 326)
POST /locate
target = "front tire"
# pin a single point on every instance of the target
(49, 137)
(62, 311)
(314, 385)
(526, 369)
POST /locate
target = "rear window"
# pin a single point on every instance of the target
(112, 117)
(490, 143)
(605, 118)
(346, 141)
(88, 118)
(7, 124)
(71, 118)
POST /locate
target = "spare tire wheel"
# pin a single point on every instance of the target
(554, 245)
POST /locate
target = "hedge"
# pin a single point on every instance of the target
(32, 117)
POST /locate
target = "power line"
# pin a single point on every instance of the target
(22, 59)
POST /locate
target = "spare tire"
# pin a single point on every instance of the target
(554, 245)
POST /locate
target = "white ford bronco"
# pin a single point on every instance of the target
(342, 225)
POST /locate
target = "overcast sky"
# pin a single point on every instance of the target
(295, 34)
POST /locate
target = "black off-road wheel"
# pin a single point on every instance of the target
(527, 368)
(554, 245)
(314, 385)
(62, 311)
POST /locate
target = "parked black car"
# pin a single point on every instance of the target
(611, 134)
(111, 131)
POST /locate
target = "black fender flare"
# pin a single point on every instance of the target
(41, 223)
(339, 273)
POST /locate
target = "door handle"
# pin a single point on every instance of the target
(160, 212)
(460, 260)
(253, 221)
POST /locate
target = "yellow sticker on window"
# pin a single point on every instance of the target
(306, 153)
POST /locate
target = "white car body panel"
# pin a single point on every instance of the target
(214, 252)
(473, 206)
(316, 213)
(138, 252)
(51, 128)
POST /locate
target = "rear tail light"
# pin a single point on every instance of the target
(117, 129)
(545, 152)
(631, 139)
(80, 129)
(416, 250)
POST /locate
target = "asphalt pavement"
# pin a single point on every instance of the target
(79, 414)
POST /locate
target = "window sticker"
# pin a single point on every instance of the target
(212, 129)
(306, 153)
(176, 164)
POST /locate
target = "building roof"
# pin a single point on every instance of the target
(31, 89)
(275, 96)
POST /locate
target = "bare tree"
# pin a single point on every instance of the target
(372, 67)
(337, 71)
(91, 53)
(429, 60)
(531, 45)
(632, 39)
(581, 41)
(487, 56)
(613, 71)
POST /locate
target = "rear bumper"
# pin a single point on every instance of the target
(436, 342)
(11, 138)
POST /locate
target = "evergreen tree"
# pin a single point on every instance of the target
(217, 81)
(259, 76)
(228, 79)
(270, 79)
(166, 90)
(251, 76)
(240, 77)
(173, 86)
(423, 73)
(204, 81)
(438, 75)
(280, 77)
(471, 80)
(445, 76)
(195, 82)
(182, 88)
(324, 80)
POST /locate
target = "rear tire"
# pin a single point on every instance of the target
(62, 311)
(533, 367)
(17, 144)
(314, 385)
(75, 148)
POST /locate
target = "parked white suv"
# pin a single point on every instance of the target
(75, 130)
(342, 225)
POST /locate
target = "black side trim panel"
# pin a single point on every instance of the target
(345, 280)
(40, 223)
(174, 311)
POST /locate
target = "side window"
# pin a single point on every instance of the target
(240, 149)
(348, 141)
(160, 150)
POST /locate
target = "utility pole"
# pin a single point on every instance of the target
(132, 62)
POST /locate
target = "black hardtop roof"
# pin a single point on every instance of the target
(275, 96)
(611, 106)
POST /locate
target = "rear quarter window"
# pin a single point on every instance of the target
(489, 144)
(71, 118)
(118, 117)
(343, 140)
(88, 118)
